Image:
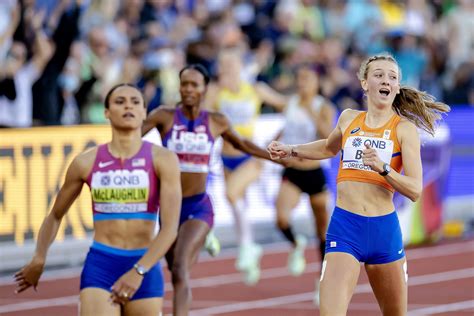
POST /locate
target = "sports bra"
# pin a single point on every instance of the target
(383, 139)
(124, 189)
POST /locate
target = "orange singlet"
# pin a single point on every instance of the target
(383, 140)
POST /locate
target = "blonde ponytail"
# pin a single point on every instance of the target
(419, 107)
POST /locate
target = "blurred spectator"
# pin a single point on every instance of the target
(457, 26)
(307, 21)
(101, 42)
(462, 91)
(18, 73)
(47, 99)
(410, 56)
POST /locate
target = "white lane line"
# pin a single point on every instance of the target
(420, 253)
(237, 277)
(60, 301)
(416, 253)
(362, 288)
(458, 306)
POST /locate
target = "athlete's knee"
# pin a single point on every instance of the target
(282, 222)
(232, 197)
(179, 273)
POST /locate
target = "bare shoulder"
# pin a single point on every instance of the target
(346, 117)
(163, 157)
(163, 110)
(218, 117)
(406, 129)
(349, 114)
(84, 162)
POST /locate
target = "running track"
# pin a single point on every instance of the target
(441, 282)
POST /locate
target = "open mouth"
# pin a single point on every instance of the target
(384, 91)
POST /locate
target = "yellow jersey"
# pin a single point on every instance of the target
(241, 108)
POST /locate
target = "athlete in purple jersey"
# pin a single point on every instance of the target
(128, 179)
(190, 132)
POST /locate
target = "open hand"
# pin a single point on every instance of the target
(29, 275)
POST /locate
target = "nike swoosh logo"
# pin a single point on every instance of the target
(105, 164)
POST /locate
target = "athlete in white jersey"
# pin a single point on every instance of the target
(308, 117)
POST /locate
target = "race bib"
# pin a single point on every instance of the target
(120, 191)
(354, 146)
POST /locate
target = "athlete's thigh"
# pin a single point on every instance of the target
(239, 179)
(319, 202)
(95, 301)
(287, 199)
(191, 237)
(389, 282)
(339, 276)
(319, 206)
(144, 307)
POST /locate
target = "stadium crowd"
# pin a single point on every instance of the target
(59, 57)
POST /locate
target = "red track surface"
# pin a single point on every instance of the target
(441, 282)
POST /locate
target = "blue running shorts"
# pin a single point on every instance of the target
(105, 264)
(373, 240)
(233, 162)
(199, 207)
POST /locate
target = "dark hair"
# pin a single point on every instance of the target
(109, 94)
(198, 67)
(419, 107)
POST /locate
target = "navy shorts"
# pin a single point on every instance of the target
(199, 207)
(233, 162)
(373, 240)
(104, 265)
(312, 181)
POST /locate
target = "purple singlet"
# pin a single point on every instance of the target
(191, 140)
(124, 189)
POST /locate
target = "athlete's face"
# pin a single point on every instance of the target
(192, 87)
(230, 67)
(307, 82)
(382, 82)
(126, 108)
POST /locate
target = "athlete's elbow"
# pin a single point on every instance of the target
(173, 236)
(415, 195)
(330, 152)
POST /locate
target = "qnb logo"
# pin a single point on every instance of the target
(381, 144)
(105, 180)
(357, 142)
(125, 180)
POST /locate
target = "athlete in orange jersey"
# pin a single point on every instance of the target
(374, 146)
